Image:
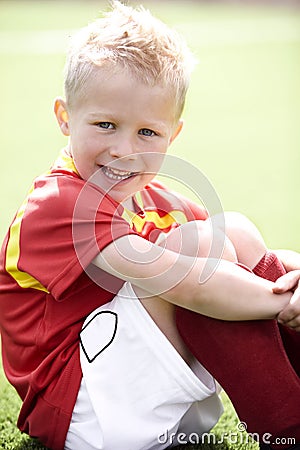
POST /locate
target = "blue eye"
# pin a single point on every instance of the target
(105, 125)
(147, 132)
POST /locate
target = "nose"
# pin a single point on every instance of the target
(123, 148)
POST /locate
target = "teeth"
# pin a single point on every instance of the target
(115, 174)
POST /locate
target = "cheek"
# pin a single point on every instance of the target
(85, 148)
(154, 159)
(83, 160)
(141, 181)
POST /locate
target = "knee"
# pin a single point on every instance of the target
(246, 238)
(238, 225)
(191, 239)
(199, 239)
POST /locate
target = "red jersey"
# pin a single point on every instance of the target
(46, 293)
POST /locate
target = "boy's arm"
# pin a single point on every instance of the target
(229, 293)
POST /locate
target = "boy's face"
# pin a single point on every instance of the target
(122, 127)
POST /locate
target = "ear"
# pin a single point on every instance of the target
(61, 113)
(177, 130)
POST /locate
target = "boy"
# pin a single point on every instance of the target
(96, 370)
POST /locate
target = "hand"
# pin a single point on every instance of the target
(290, 315)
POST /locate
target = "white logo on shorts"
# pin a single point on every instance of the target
(98, 334)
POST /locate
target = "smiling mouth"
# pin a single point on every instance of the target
(115, 174)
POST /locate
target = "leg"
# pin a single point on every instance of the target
(250, 247)
(193, 239)
(247, 240)
(291, 342)
(252, 251)
(249, 361)
(248, 358)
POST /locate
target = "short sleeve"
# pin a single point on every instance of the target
(66, 223)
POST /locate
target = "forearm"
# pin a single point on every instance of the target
(229, 293)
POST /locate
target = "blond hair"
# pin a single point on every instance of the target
(136, 41)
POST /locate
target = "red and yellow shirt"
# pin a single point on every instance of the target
(46, 294)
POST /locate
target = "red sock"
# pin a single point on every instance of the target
(269, 267)
(250, 362)
(253, 361)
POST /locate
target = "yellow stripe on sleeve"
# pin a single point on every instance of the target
(23, 279)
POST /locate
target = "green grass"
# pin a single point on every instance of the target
(10, 437)
(241, 120)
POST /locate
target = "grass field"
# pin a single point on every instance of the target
(241, 119)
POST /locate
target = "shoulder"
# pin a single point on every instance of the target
(169, 200)
(53, 194)
(58, 193)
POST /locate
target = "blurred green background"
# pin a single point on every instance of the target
(242, 126)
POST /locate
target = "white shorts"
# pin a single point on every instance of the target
(137, 393)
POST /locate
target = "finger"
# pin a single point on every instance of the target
(296, 297)
(294, 324)
(286, 282)
(289, 319)
(289, 313)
